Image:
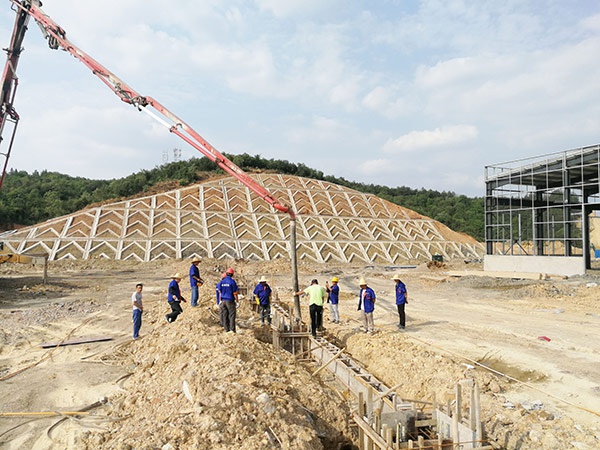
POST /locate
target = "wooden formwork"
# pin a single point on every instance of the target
(289, 334)
(385, 420)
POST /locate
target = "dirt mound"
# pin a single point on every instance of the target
(429, 375)
(188, 384)
(194, 386)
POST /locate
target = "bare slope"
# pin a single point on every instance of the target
(223, 219)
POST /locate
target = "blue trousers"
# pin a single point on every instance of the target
(137, 323)
(194, 300)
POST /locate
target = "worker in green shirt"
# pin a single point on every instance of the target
(316, 296)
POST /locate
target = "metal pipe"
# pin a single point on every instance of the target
(294, 258)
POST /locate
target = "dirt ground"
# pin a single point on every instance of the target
(532, 346)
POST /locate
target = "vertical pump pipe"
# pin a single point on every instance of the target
(294, 258)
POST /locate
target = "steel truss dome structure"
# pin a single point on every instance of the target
(537, 211)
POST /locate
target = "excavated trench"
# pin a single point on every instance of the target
(384, 419)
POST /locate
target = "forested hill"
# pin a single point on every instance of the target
(27, 199)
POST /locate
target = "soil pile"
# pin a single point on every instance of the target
(194, 386)
(188, 384)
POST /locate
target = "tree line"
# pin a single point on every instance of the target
(27, 199)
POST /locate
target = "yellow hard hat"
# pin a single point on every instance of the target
(335, 279)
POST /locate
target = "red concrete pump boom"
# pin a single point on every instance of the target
(10, 82)
(57, 38)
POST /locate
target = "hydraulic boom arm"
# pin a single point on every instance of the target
(10, 82)
(57, 38)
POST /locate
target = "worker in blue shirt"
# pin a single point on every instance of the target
(366, 303)
(228, 293)
(219, 303)
(174, 298)
(195, 280)
(333, 296)
(262, 294)
(401, 300)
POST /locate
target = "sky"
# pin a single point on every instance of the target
(423, 94)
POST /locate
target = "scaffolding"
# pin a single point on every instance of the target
(540, 206)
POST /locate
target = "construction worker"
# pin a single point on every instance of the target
(195, 280)
(174, 298)
(262, 295)
(228, 293)
(401, 300)
(138, 309)
(219, 303)
(333, 295)
(316, 297)
(366, 303)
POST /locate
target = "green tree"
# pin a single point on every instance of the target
(26, 199)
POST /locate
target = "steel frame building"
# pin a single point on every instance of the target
(537, 212)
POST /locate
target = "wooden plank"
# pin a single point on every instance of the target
(76, 341)
(370, 432)
(328, 362)
(43, 413)
(361, 413)
(425, 423)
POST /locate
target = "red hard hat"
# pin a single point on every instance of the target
(229, 271)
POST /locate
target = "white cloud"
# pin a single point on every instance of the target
(378, 166)
(288, 8)
(436, 138)
(384, 101)
(592, 23)
(90, 142)
(315, 82)
(463, 72)
(377, 98)
(319, 130)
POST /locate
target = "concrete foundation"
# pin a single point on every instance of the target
(555, 265)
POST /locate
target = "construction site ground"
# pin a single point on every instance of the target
(531, 345)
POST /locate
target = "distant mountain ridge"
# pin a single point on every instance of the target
(27, 199)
